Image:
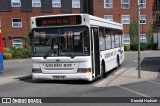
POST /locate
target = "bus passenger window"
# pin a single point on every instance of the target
(113, 39)
(108, 39)
(101, 39)
(116, 39)
(120, 38)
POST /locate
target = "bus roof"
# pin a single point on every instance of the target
(97, 21)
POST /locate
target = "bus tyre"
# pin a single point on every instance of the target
(118, 63)
(102, 71)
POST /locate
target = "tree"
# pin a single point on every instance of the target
(26, 37)
(133, 31)
(150, 34)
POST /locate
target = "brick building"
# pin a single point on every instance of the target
(15, 15)
(124, 11)
(158, 21)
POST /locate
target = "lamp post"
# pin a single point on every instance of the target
(157, 17)
(157, 31)
(138, 16)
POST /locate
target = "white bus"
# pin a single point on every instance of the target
(75, 47)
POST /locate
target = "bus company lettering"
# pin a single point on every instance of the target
(108, 55)
(57, 65)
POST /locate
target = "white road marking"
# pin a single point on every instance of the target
(133, 91)
(134, 61)
(154, 82)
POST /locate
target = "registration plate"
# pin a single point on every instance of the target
(58, 77)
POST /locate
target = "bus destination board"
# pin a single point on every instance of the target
(58, 21)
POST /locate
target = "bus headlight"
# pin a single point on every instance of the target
(36, 70)
(84, 70)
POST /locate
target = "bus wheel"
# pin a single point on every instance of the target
(118, 62)
(102, 70)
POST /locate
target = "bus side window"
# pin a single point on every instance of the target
(101, 39)
(117, 38)
(120, 38)
(113, 38)
(108, 39)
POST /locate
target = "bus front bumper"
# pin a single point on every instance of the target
(78, 76)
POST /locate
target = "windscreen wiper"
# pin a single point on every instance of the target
(46, 55)
(60, 45)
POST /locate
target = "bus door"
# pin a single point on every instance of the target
(95, 52)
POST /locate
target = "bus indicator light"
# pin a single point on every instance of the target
(88, 70)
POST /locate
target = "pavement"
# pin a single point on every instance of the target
(127, 76)
(9, 79)
(149, 71)
(14, 70)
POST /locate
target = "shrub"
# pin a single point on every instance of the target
(7, 50)
(143, 46)
(134, 46)
(7, 53)
(155, 46)
(21, 52)
(150, 46)
(7, 56)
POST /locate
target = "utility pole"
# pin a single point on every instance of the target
(138, 16)
(157, 25)
(158, 31)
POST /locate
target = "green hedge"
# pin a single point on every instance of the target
(7, 56)
(143, 46)
(7, 53)
(19, 53)
(7, 50)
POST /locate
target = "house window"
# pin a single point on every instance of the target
(125, 4)
(142, 19)
(17, 23)
(75, 3)
(108, 17)
(16, 3)
(142, 3)
(108, 4)
(56, 3)
(125, 19)
(143, 38)
(126, 39)
(36, 3)
(17, 43)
